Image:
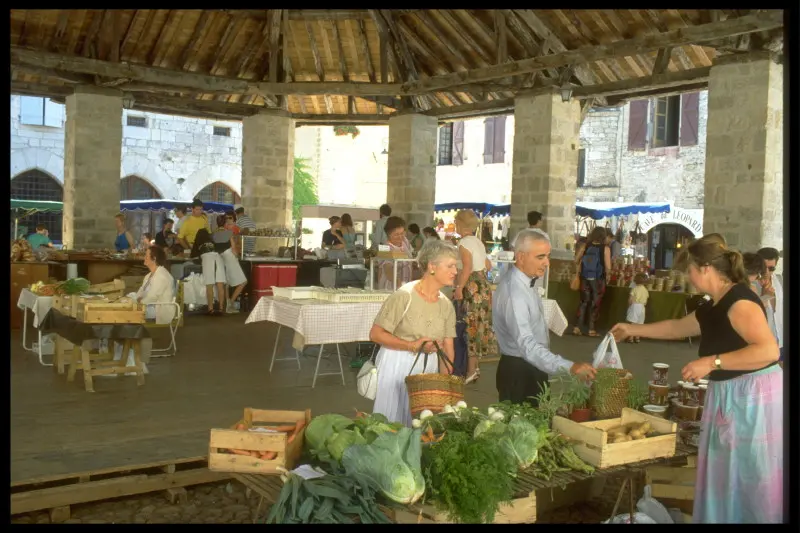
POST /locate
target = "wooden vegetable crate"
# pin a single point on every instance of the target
(594, 446)
(288, 452)
(104, 312)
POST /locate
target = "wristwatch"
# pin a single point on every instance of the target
(717, 363)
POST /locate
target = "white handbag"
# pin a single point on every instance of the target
(367, 380)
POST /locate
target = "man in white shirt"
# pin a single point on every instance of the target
(378, 231)
(245, 224)
(180, 214)
(772, 289)
(526, 361)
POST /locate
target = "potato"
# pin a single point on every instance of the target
(636, 435)
(617, 430)
(645, 428)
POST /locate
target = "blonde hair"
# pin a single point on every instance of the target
(120, 216)
(712, 250)
(467, 219)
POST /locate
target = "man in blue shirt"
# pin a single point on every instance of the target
(40, 238)
(526, 361)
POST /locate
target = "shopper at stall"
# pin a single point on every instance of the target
(180, 214)
(755, 269)
(124, 240)
(225, 244)
(593, 261)
(416, 240)
(166, 238)
(332, 238)
(430, 233)
(637, 300)
(399, 245)
(740, 455)
(246, 226)
(474, 293)
(40, 238)
(213, 269)
(347, 232)
(409, 320)
(526, 361)
(145, 242)
(230, 224)
(536, 221)
(772, 289)
(192, 224)
(379, 234)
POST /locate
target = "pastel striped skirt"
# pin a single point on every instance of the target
(740, 456)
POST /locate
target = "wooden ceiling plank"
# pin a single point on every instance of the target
(125, 35)
(159, 42)
(610, 35)
(327, 49)
(455, 57)
(71, 44)
(662, 61)
(351, 103)
(681, 22)
(658, 23)
(502, 36)
(53, 44)
(275, 25)
(91, 35)
(250, 49)
(312, 41)
(164, 53)
(768, 20)
(229, 38)
(365, 51)
(287, 62)
(572, 19)
(137, 42)
(461, 36)
(402, 55)
(529, 44)
(620, 25)
(189, 50)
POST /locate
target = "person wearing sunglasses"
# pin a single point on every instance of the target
(772, 293)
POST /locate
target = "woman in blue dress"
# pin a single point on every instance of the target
(124, 240)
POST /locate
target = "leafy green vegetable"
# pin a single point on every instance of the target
(370, 426)
(391, 464)
(321, 430)
(339, 442)
(74, 286)
(468, 478)
(525, 411)
(332, 499)
(521, 441)
(489, 428)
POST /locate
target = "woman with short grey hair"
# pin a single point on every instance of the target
(409, 321)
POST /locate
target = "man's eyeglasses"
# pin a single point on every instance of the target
(771, 269)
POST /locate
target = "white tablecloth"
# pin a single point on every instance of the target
(319, 322)
(40, 305)
(556, 321)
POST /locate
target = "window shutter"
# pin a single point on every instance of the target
(53, 114)
(637, 125)
(499, 147)
(458, 142)
(31, 110)
(690, 111)
(582, 167)
(488, 141)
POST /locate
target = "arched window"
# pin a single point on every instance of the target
(36, 185)
(219, 192)
(135, 188)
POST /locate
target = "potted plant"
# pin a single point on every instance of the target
(576, 397)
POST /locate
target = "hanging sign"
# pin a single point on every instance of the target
(691, 219)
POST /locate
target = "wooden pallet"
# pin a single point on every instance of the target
(57, 493)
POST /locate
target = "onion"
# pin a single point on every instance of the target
(416, 423)
(461, 405)
(448, 409)
(427, 413)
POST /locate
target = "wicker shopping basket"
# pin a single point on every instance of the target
(433, 391)
(610, 393)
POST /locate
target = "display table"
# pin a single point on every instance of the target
(39, 306)
(80, 334)
(614, 307)
(316, 322)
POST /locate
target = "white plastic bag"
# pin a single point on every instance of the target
(639, 518)
(607, 355)
(653, 508)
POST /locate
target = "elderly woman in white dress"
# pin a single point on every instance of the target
(411, 319)
(158, 287)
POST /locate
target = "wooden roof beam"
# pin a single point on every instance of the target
(198, 33)
(662, 61)
(312, 41)
(748, 24)
(351, 102)
(308, 119)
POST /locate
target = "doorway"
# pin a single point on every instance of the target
(665, 241)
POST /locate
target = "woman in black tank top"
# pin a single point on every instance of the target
(740, 455)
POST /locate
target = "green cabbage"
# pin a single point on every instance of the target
(487, 428)
(391, 464)
(321, 430)
(521, 440)
(339, 442)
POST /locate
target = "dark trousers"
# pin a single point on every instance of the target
(518, 381)
(592, 291)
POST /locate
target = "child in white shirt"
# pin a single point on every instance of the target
(637, 302)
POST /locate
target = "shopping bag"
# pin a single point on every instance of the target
(607, 355)
(367, 380)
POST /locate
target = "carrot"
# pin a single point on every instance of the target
(283, 429)
(269, 455)
(241, 427)
(299, 426)
(431, 436)
(241, 452)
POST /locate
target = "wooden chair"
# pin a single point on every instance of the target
(177, 321)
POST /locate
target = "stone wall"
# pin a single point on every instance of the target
(411, 180)
(744, 176)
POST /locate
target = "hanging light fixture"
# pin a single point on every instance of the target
(566, 93)
(128, 101)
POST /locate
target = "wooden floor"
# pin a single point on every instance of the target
(58, 429)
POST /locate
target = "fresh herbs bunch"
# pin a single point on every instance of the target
(523, 410)
(637, 394)
(468, 478)
(556, 455)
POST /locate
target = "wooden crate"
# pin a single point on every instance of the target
(288, 453)
(100, 312)
(116, 286)
(673, 486)
(67, 304)
(593, 446)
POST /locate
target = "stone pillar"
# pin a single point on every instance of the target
(544, 171)
(744, 153)
(411, 178)
(92, 166)
(268, 168)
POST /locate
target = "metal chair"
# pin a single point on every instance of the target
(177, 321)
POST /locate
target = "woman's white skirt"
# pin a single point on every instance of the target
(233, 270)
(635, 314)
(391, 399)
(213, 268)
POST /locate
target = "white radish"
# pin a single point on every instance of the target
(448, 409)
(461, 405)
(416, 423)
(427, 413)
(497, 416)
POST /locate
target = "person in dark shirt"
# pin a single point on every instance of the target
(741, 433)
(332, 238)
(166, 238)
